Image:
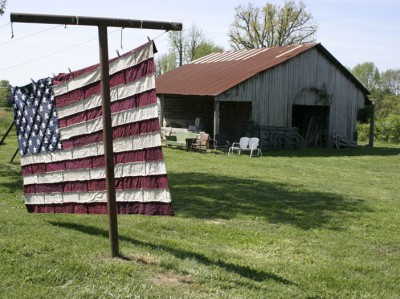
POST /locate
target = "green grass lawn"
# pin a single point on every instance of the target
(317, 223)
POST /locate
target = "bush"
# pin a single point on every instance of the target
(388, 129)
(5, 90)
(363, 131)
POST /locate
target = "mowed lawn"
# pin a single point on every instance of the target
(319, 223)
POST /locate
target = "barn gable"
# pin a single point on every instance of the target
(284, 87)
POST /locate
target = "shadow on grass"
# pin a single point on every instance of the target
(10, 177)
(244, 271)
(208, 196)
(333, 152)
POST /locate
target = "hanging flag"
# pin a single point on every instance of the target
(59, 128)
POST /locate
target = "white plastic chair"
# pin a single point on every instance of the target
(253, 147)
(246, 144)
(242, 145)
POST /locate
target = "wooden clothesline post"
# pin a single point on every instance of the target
(102, 24)
(7, 132)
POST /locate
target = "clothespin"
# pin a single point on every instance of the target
(12, 30)
(121, 37)
(70, 72)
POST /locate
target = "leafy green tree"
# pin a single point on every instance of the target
(387, 104)
(272, 25)
(368, 74)
(390, 81)
(168, 61)
(385, 91)
(3, 4)
(4, 93)
(165, 63)
(190, 44)
(206, 48)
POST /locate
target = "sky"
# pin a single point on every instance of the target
(354, 31)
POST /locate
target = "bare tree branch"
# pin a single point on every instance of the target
(271, 25)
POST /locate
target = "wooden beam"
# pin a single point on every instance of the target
(15, 154)
(108, 142)
(7, 132)
(216, 117)
(93, 21)
(372, 125)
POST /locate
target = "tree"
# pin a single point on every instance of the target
(190, 44)
(206, 48)
(176, 40)
(3, 4)
(368, 74)
(184, 47)
(4, 93)
(390, 80)
(272, 25)
(385, 91)
(165, 63)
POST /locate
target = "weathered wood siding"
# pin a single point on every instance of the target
(274, 92)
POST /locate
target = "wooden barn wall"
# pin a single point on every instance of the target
(274, 92)
(181, 112)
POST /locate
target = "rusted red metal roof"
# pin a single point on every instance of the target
(215, 73)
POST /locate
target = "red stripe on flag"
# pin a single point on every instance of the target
(125, 183)
(135, 101)
(148, 154)
(150, 208)
(123, 77)
(132, 129)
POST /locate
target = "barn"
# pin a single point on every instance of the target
(273, 93)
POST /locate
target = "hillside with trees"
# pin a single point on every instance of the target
(385, 93)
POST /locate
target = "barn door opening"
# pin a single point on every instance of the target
(233, 119)
(312, 123)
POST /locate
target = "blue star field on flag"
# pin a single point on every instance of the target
(35, 118)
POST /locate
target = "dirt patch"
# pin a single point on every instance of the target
(141, 259)
(172, 279)
(388, 250)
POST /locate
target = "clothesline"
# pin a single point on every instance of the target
(59, 51)
(29, 35)
(4, 25)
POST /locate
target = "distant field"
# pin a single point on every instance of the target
(317, 223)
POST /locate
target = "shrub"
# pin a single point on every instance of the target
(388, 128)
(363, 131)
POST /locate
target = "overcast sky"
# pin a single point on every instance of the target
(354, 31)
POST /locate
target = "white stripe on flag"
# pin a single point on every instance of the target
(115, 66)
(117, 93)
(121, 170)
(118, 119)
(96, 149)
(138, 195)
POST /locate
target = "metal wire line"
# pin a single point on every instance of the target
(29, 35)
(56, 52)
